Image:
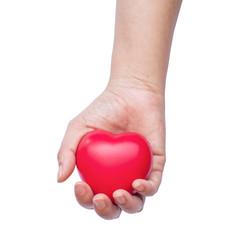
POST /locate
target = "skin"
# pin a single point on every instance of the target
(132, 101)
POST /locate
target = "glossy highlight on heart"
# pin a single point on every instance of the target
(108, 162)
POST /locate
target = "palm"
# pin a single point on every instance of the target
(133, 110)
(123, 110)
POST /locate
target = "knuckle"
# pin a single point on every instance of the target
(71, 123)
(76, 122)
(154, 190)
(159, 163)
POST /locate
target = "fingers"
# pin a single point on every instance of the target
(124, 200)
(84, 194)
(150, 187)
(105, 208)
(145, 187)
(128, 202)
(103, 205)
(100, 202)
(66, 154)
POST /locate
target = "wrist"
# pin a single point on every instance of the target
(135, 80)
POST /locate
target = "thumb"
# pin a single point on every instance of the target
(66, 154)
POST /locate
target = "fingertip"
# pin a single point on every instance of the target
(119, 197)
(100, 202)
(105, 208)
(127, 202)
(80, 189)
(138, 185)
(84, 194)
(145, 187)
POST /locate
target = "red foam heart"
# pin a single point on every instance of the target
(108, 162)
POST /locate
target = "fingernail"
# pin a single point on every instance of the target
(59, 172)
(100, 204)
(80, 190)
(139, 187)
(120, 200)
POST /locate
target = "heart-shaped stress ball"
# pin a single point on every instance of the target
(108, 162)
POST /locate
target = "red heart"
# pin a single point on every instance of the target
(108, 162)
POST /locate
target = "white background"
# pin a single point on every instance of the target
(55, 59)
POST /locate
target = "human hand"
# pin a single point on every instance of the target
(130, 106)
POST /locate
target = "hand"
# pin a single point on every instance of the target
(125, 107)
